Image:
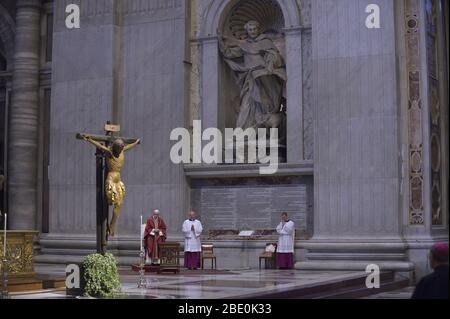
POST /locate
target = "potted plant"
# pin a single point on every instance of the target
(101, 278)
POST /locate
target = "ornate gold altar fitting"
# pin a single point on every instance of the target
(19, 253)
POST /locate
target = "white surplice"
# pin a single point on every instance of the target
(192, 237)
(285, 237)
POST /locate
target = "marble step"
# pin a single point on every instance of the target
(360, 291)
(35, 283)
(347, 288)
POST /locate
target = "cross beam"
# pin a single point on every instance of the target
(107, 138)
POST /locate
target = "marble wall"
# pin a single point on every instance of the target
(154, 104)
(356, 172)
(125, 63)
(153, 66)
(82, 83)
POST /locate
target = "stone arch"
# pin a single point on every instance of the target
(7, 27)
(214, 13)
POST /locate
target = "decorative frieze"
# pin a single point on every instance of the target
(308, 110)
(432, 11)
(132, 11)
(415, 117)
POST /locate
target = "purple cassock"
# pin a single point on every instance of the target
(285, 247)
(192, 260)
(192, 229)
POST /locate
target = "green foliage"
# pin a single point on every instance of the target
(101, 276)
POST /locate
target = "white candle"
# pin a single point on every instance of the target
(140, 232)
(4, 235)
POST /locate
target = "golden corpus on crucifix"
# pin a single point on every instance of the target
(113, 149)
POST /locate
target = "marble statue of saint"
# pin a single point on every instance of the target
(261, 76)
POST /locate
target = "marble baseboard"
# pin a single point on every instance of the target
(231, 254)
(407, 256)
(195, 171)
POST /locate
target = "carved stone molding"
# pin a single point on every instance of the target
(132, 11)
(415, 117)
(434, 83)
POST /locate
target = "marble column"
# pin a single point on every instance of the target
(23, 134)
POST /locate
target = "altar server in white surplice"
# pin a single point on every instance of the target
(285, 248)
(192, 229)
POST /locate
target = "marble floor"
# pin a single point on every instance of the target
(404, 293)
(196, 285)
(242, 284)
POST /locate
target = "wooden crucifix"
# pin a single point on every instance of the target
(110, 188)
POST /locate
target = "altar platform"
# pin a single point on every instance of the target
(241, 284)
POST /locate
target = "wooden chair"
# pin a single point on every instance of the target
(208, 253)
(268, 255)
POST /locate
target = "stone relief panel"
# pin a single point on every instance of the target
(415, 120)
(308, 111)
(194, 63)
(434, 109)
(253, 203)
(151, 10)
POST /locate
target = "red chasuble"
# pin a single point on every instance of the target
(154, 238)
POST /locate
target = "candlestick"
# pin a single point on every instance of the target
(142, 283)
(140, 233)
(4, 234)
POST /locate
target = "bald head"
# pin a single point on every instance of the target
(156, 213)
(192, 214)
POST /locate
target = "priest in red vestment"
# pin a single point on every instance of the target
(155, 233)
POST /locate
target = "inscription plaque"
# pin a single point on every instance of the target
(244, 205)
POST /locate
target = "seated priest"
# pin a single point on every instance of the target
(192, 229)
(285, 247)
(155, 233)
